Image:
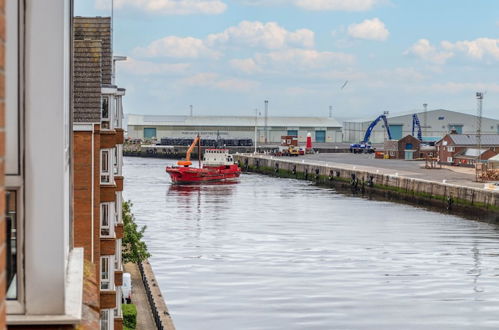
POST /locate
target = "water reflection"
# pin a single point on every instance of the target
(274, 254)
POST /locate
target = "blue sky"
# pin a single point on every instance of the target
(228, 56)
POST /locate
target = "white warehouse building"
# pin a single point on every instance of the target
(437, 124)
(322, 129)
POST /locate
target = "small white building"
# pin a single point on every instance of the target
(435, 124)
(323, 129)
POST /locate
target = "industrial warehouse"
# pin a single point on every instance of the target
(323, 129)
(434, 125)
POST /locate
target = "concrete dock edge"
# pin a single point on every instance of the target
(157, 302)
(443, 195)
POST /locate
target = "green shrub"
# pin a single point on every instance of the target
(129, 316)
(134, 248)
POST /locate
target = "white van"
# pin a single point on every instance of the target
(126, 288)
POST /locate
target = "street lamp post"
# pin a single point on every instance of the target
(256, 125)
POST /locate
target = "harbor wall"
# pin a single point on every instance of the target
(474, 202)
(178, 152)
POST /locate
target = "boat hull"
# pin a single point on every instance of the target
(190, 175)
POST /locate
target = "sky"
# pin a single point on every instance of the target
(362, 57)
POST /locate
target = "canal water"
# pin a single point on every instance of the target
(269, 253)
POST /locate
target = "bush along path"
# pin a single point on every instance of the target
(149, 311)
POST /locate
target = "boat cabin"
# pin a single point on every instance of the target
(217, 157)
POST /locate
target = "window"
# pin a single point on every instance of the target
(118, 207)
(441, 118)
(106, 165)
(450, 149)
(149, 133)
(117, 112)
(449, 159)
(11, 243)
(105, 113)
(106, 274)
(14, 156)
(116, 168)
(117, 259)
(107, 219)
(106, 322)
(117, 311)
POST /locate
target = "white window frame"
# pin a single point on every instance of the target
(449, 160)
(107, 211)
(451, 149)
(117, 111)
(119, 207)
(106, 282)
(14, 136)
(106, 320)
(118, 265)
(106, 175)
(116, 161)
(118, 311)
(110, 110)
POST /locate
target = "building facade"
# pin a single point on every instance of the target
(44, 272)
(434, 125)
(407, 148)
(453, 145)
(98, 181)
(232, 127)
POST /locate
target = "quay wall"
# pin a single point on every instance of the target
(177, 152)
(477, 202)
(156, 300)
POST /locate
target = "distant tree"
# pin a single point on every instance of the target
(134, 248)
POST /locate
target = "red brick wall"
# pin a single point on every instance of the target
(2, 171)
(82, 187)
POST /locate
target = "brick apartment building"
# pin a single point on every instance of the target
(97, 141)
(459, 149)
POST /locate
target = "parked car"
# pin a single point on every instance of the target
(126, 288)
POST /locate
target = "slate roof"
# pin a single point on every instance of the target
(470, 153)
(471, 139)
(97, 28)
(87, 77)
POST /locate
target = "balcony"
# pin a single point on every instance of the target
(107, 299)
(107, 246)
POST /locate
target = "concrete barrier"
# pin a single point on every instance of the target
(473, 201)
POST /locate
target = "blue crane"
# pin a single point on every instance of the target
(373, 124)
(364, 146)
(416, 123)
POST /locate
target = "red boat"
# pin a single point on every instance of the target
(218, 165)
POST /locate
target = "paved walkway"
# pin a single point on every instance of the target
(145, 320)
(411, 169)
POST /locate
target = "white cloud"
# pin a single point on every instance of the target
(302, 60)
(214, 80)
(459, 87)
(370, 29)
(426, 51)
(339, 5)
(178, 47)
(267, 35)
(137, 67)
(246, 65)
(477, 49)
(168, 7)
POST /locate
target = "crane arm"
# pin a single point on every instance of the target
(373, 124)
(187, 162)
(191, 148)
(416, 123)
